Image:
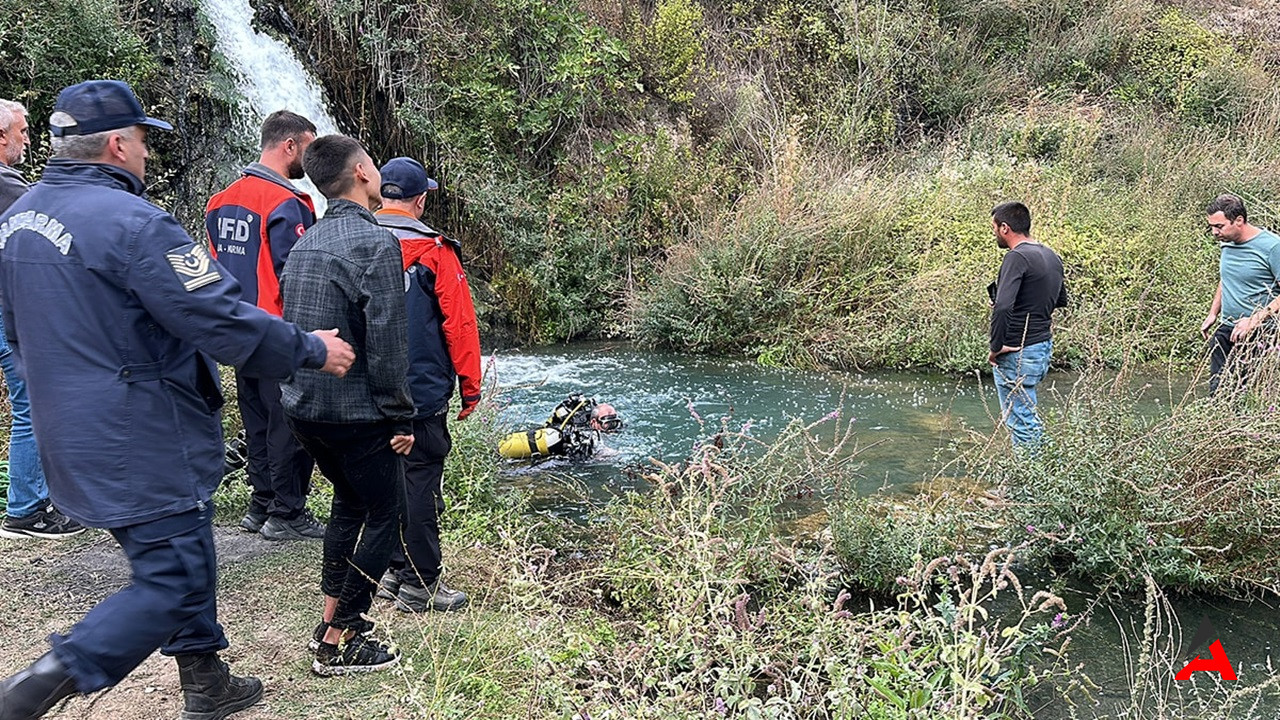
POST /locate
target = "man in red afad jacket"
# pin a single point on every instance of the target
(444, 352)
(252, 226)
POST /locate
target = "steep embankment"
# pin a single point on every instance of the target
(808, 182)
(804, 182)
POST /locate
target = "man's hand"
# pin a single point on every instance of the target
(1245, 326)
(991, 357)
(468, 408)
(1207, 326)
(402, 444)
(338, 354)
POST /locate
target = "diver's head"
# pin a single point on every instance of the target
(605, 419)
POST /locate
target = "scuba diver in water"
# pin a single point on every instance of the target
(573, 430)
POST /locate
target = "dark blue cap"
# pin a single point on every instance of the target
(404, 177)
(97, 106)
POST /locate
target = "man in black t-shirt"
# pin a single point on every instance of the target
(1029, 287)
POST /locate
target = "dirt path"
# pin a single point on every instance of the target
(49, 585)
(269, 601)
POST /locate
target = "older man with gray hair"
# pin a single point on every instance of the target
(28, 512)
(13, 145)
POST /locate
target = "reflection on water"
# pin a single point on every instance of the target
(1109, 644)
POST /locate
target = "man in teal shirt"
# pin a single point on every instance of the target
(1248, 286)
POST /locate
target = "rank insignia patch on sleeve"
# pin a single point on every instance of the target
(193, 266)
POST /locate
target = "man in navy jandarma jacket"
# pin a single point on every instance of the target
(117, 317)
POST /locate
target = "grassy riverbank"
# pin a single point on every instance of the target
(680, 601)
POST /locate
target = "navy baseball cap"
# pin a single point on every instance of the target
(404, 177)
(97, 106)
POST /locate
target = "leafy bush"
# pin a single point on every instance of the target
(780, 277)
(1189, 499)
(1185, 67)
(672, 48)
(46, 46)
(878, 538)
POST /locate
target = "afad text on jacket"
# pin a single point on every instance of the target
(252, 225)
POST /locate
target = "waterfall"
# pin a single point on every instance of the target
(269, 75)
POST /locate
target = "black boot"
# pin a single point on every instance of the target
(36, 688)
(210, 691)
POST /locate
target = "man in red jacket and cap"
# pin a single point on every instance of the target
(444, 351)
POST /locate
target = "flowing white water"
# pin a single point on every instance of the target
(269, 75)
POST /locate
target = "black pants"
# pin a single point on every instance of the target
(417, 561)
(368, 485)
(1224, 355)
(279, 468)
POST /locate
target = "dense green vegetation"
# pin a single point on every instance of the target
(804, 182)
(48, 45)
(1183, 497)
(808, 182)
(163, 49)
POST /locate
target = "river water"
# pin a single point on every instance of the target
(904, 423)
(670, 402)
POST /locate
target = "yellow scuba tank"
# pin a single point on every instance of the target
(528, 443)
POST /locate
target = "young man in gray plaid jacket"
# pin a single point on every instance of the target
(346, 272)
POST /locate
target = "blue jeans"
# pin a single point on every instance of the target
(28, 491)
(1016, 375)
